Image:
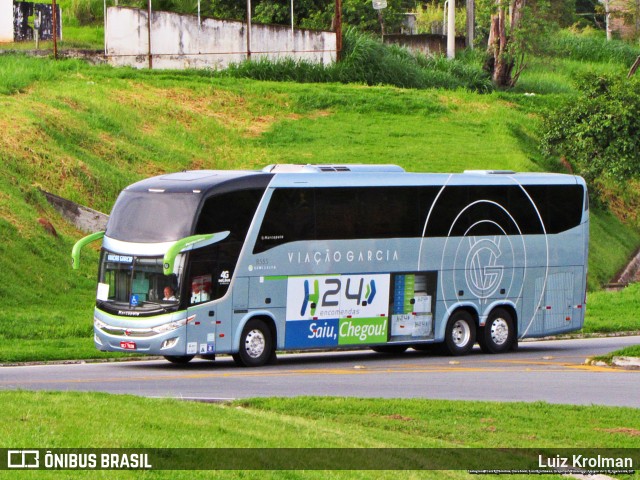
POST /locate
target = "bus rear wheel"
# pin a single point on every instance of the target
(460, 334)
(498, 334)
(179, 359)
(256, 345)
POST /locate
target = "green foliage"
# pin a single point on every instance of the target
(366, 60)
(360, 14)
(598, 133)
(610, 254)
(589, 46)
(87, 12)
(283, 70)
(520, 29)
(430, 19)
(313, 14)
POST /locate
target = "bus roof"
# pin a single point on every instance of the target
(387, 175)
(287, 175)
(202, 181)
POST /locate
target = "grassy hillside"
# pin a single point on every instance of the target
(85, 132)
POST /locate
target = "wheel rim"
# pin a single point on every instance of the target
(499, 331)
(461, 333)
(254, 343)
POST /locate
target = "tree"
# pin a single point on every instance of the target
(315, 14)
(502, 48)
(599, 132)
(518, 27)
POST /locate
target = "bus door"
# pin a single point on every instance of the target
(209, 313)
(202, 329)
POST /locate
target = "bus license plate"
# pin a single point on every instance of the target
(128, 345)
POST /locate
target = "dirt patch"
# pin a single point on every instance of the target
(454, 102)
(399, 417)
(632, 432)
(185, 106)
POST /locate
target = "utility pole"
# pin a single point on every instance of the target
(338, 29)
(607, 17)
(451, 29)
(471, 23)
(248, 29)
(54, 17)
(149, 33)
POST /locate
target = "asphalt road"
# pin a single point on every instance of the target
(552, 371)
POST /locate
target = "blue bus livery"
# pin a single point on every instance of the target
(297, 257)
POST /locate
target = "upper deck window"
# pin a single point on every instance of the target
(146, 217)
(303, 214)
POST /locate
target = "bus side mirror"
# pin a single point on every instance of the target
(75, 252)
(189, 243)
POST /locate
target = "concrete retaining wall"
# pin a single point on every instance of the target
(84, 218)
(177, 41)
(429, 44)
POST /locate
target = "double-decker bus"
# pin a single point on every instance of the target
(297, 257)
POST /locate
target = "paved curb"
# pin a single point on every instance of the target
(626, 363)
(630, 363)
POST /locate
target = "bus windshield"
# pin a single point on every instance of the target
(131, 283)
(146, 217)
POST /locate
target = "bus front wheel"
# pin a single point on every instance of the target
(498, 334)
(460, 334)
(256, 345)
(181, 359)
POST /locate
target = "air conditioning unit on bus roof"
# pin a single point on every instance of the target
(359, 168)
(490, 172)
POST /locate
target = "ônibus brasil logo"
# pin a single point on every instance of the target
(333, 293)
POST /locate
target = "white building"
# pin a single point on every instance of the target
(6, 21)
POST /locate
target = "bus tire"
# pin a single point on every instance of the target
(390, 349)
(499, 334)
(460, 333)
(179, 359)
(256, 345)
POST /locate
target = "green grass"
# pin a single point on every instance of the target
(76, 420)
(613, 311)
(366, 60)
(609, 256)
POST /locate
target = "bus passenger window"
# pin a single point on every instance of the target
(200, 289)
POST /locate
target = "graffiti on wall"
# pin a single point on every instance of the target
(28, 17)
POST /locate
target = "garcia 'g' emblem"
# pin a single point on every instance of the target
(483, 268)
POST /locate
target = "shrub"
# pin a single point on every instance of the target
(588, 47)
(367, 60)
(87, 12)
(598, 133)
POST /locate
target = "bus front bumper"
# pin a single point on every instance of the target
(167, 339)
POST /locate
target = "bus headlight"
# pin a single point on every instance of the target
(168, 327)
(99, 324)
